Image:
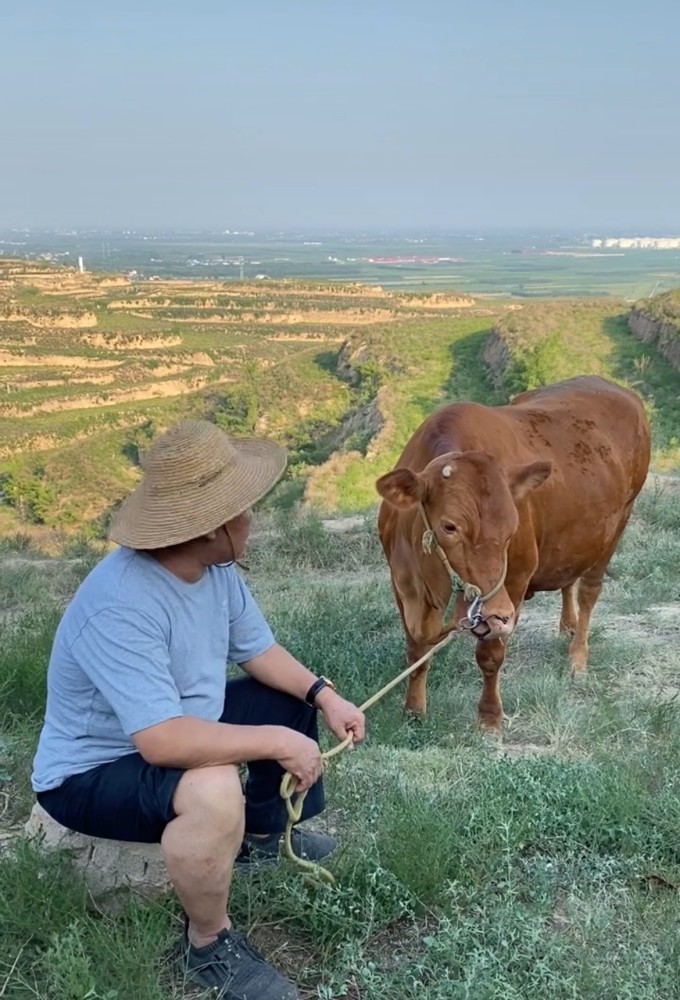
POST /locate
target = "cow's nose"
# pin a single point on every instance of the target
(493, 626)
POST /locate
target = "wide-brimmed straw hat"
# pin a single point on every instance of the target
(195, 478)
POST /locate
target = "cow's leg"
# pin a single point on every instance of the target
(569, 616)
(416, 694)
(490, 654)
(589, 589)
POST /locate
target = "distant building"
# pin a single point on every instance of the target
(639, 242)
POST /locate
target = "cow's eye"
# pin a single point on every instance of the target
(449, 527)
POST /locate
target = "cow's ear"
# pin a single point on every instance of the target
(525, 478)
(401, 488)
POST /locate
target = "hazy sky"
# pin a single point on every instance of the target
(361, 113)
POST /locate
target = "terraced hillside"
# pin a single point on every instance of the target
(93, 366)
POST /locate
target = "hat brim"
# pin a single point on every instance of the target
(147, 521)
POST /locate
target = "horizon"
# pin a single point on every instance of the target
(393, 118)
(407, 232)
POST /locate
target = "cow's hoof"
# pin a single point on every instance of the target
(492, 741)
(578, 664)
(491, 732)
(415, 713)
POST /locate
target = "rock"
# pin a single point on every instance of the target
(496, 357)
(111, 868)
(663, 335)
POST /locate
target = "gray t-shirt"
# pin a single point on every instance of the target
(135, 647)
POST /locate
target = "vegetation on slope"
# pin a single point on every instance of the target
(94, 365)
(415, 368)
(340, 374)
(664, 307)
(546, 342)
(656, 321)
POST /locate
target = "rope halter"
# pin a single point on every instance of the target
(470, 591)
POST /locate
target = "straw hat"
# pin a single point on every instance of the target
(195, 478)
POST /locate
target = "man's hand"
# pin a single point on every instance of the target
(301, 756)
(341, 717)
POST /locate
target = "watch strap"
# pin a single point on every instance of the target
(316, 688)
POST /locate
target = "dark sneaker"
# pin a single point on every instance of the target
(235, 970)
(258, 852)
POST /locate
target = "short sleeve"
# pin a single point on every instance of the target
(249, 633)
(125, 656)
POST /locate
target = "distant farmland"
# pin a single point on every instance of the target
(518, 265)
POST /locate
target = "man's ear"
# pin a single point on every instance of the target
(401, 488)
(525, 478)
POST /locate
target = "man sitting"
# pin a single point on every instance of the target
(143, 735)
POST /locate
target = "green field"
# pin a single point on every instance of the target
(516, 264)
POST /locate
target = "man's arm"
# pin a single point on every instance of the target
(188, 742)
(252, 646)
(278, 669)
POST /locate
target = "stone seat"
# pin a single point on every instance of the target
(111, 868)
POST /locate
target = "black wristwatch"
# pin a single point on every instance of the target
(316, 687)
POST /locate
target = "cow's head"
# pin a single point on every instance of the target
(471, 504)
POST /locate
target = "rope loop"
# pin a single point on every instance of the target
(470, 592)
(428, 541)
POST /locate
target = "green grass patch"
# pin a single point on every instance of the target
(465, 869)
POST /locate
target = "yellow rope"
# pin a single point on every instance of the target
(295, 803)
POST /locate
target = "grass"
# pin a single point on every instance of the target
(425, 366)
(55, 403)
(548, 867)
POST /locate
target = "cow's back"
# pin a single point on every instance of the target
(584, 425)
(594, 433)
(593, 430)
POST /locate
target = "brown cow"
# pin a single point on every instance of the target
(516, 499)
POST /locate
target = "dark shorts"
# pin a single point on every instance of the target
(131, 800)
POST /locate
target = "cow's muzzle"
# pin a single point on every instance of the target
(482, 628)
(479, 624)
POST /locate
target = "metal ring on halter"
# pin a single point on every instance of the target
(474, 612)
